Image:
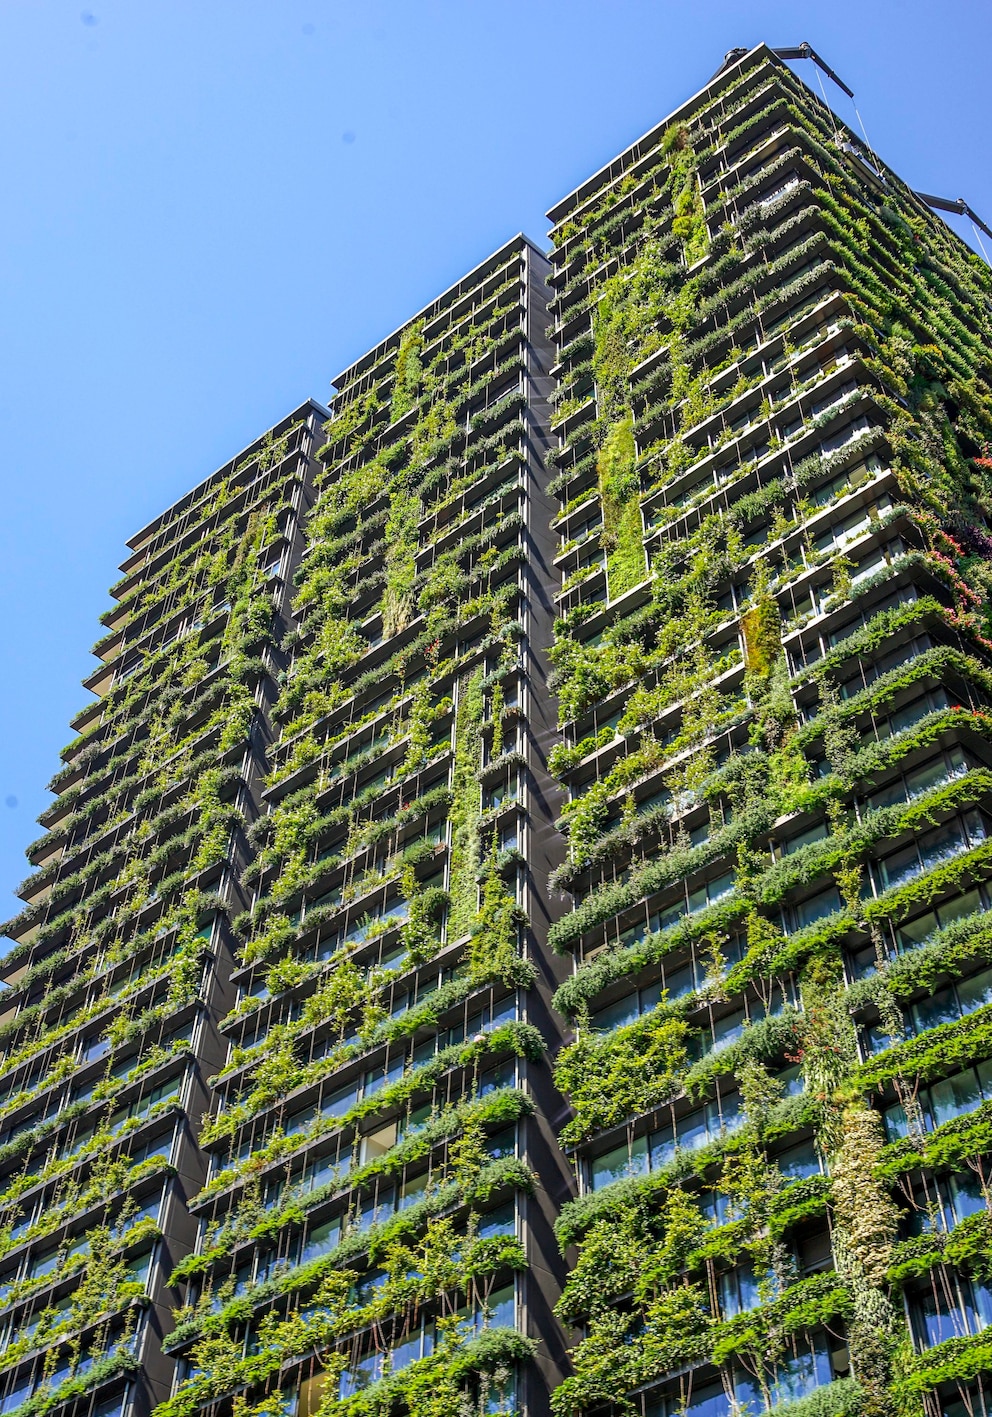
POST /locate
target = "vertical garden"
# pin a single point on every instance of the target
(121, 953)
(360, 1244)
(511, 931)
(772, 659)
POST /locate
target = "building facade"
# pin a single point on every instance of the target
(122, 959)
(510, 935)
(771, 659)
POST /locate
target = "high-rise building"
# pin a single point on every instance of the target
(122, 959)
(378, 1113)
(772, 666)
(511, 934)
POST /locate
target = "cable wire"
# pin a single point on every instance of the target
(864, 134)
(978, 238)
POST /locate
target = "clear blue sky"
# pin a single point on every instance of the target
(211, 206)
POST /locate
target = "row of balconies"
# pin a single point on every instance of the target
(639, 163)
(461, 645)
(492, 311)
(198, 537)
(358, 1073)
(798, 318)
(718, 493)
(924, 695)
(874, 546)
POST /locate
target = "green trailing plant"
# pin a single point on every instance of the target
(619, 487)
(803, 747)
(408, 369)
(612, 1079)
(466, 807)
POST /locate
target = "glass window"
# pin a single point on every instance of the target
(886, 796)
(799, 1161)
(382, 1076)
(499, 793)
(502, 1075)
(692, 1131)
(960, 906)
(670, 915)
(16, 1395)
(916, 932)
(502, 1399)
(374, 1210)
(792, 1080)
(321, 1239)
(139, 1266)
(156, 1149)
(657, 799)
(935, 773)
(954, 1095)
(946, 841)
(368, 1284)
(615, 1015)
(680, 981)
(876, 1038)
(721, 886)
(43, 1263)
(947, 1310)
(802, 1373)
(895, 1122)
(500, 1310)
(360, 1375)
(61, 1371)
(900, 867)
(738, 1289)
(634, 934)
(418, 1345)
(943, 1100)
(416, 1118)
(147, 1211)
(662, 1150)
(965, 1195)
(413, 1190)
(650, 996)
(911, 713)
(704, 1400)
(730, 1114)
(232, 1286)
(815, 833)
(976, 992)
(502, 1221)
(502, 1143)
(939, 1008)
(728, 1029)
(715, 1207)
(336, 1105)
(971, 1403)
(620, 1162)
(817, 907)
(22, 1226)
(318, 1172)
(395, 958)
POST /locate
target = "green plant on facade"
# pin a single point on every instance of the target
(772, 667)
(645, 1285)
(122, 943)
(370, 560)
